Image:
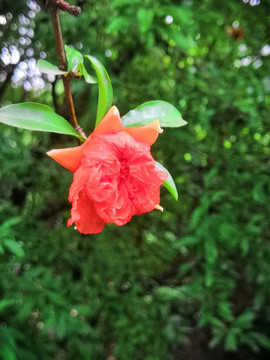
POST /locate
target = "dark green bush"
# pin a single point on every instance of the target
(191, 283)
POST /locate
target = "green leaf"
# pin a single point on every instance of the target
(167, 293)
(216, 339)
(6, 228)
(244, 320)
(61, 326)
(185, 268)
(7, 344)
(180, 40)
(119, 3)
(210, 250)
(146, 113)
(74, 58)
(4, 304)
(145, 19)
(225, 311)
(47, 68)
(250, 342)
(7, 353)
(105, 91)
(187, 241)
(2, 251)
(26, 307)
(119, 23)
(14, 247)
(34, 116)
(88, 78)
(231, 340)
(169, 183)
(261, 339)
(209, 276)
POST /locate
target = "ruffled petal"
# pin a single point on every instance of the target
(111, 123)
(79, 179)
(148, 173)
(117, 209)
(70, 158)
(84, 215)
(147, 134)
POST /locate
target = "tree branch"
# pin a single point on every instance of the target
(64, 6)
(54, 5)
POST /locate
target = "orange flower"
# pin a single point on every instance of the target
(115, 176)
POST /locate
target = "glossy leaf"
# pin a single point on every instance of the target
(169, 183)
(105, 91)
(74, 58)
(34, 116)
(48, 68)
(88, 78)
(163, 111)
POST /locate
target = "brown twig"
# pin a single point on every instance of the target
(64, 6)
(58, 39)
(54, 6)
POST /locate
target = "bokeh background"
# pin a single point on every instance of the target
(192, 283)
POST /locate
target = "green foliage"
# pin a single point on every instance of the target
(169, 183)
(76, 66)
(47, 68)
(105, 91)
(74, 58)
(34, 116)
(190, 283)
(88, 78)
(165, 113)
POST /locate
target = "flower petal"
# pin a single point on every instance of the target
(117, 209)
(147, 133)
(79, 178)
(70, 158)
(84, 215)
(111, 123)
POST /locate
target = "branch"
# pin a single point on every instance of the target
(64, 6)
(62, 62)
(54, 6)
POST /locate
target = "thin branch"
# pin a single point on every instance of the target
(64, 6)
(58, 39)
(54, 5)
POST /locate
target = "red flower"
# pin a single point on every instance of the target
(115, 176)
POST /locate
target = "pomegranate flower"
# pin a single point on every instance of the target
(115, 175)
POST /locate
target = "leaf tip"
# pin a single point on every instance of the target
(184, 122)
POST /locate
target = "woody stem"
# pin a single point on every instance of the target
(54, 6)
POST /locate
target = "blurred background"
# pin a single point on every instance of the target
(192, 283)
